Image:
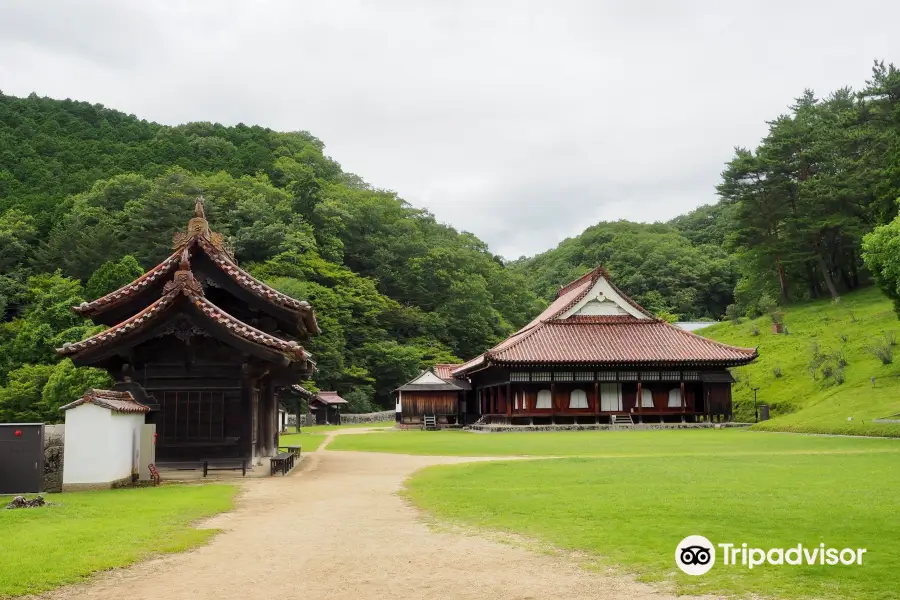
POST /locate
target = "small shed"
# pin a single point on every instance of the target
(435, 392)
(103, 440)
(326, 406)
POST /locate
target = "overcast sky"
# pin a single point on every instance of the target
(523, 122)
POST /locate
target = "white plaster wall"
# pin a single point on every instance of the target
(101, 446)
(86, 447)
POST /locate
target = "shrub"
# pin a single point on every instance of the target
(882, 349)
(733, 313)
(844, 338)
(776, 371)
(839, 376)
(766, 304)
(890, 338)
(754, 330)
(777, 317)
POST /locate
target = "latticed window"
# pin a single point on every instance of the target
(691, 376)
(649, 375)
(519, 376)
(563, 376)
(540, 376)
(628, 375)
(671, 376)
(584, 376)
(607, 376)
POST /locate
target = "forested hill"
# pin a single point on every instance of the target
(808, 213)
(90, 197)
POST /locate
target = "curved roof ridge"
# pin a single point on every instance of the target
(128, 290)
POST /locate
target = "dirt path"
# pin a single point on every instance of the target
(337, 530)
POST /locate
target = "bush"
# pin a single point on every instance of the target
(839, 376)
(733, 313)
(766, 304)
(776, 371)
(882, 349)
(754, 330)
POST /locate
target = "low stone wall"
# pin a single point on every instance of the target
(643, 427)
(54, 441)
(353, 419)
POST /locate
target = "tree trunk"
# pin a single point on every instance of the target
(827, 277)
(785, 295)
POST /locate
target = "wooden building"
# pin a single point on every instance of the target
(435, 392)
(205, 345)
(326, 408)
(594, 355)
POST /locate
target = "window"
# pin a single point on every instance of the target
(518, 376)
(540, 376)
(544, 399)
(649, 375)
(628, 376)
(584, 376)
(610, 397)
(563, 376)
(691, 376)
(646, 398)
(606, 376)
(578, 399)
(671, 376)
(675, 398)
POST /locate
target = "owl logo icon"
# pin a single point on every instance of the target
(695, 555)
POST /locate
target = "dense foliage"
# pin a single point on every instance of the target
(90, 197)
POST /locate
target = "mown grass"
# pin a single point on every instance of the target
(310, 438)
(630, 512)
(667, 443)
(801, 403)
(85, 532)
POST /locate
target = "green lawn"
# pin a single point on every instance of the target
(312, 437)
(631, 510)
(85, 532)
(801, 403)
(684, 442)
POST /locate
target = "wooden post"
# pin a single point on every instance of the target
(509, 404)
(596, 397)
(639, 401)
(553, 401)
(682, 402)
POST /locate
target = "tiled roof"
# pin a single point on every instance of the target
(184, 283)
(199, 235)
(330, 398)
(121, 402)
(604, 339)
(155, 274)
(635, 341)
(444, 371)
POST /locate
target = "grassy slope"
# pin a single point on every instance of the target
(801, 404)
(85, 532)
(699, 442)
(632, 512)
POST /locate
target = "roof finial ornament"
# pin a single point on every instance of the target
(185, 264)
(199, 212)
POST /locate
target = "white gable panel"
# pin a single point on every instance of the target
(427, 377)
(603, 299)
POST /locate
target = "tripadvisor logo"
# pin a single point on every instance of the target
(696, 555)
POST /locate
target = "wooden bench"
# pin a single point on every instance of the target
(283, 461)
(226, 464)
(294, 449)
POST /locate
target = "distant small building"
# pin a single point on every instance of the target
(326, 406)
(103, 440)
(435, 392)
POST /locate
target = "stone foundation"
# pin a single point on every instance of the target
(85, 487)
(54, 445)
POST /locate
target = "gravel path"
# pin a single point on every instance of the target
(335, 529)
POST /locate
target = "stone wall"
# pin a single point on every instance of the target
(602, 427)
(54, 439)
(353, 419)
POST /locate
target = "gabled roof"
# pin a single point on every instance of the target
(593, 322)
(120, 402)
(330, 398)
(438, 378)
(200, 237)
(444, 370)
(185, 288)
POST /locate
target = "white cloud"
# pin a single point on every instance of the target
(523, 122)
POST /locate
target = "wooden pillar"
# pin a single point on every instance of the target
(639, 401)
(596, 397)
(247, 409)
(509, 404)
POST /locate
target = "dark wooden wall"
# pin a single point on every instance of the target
(417, 404)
